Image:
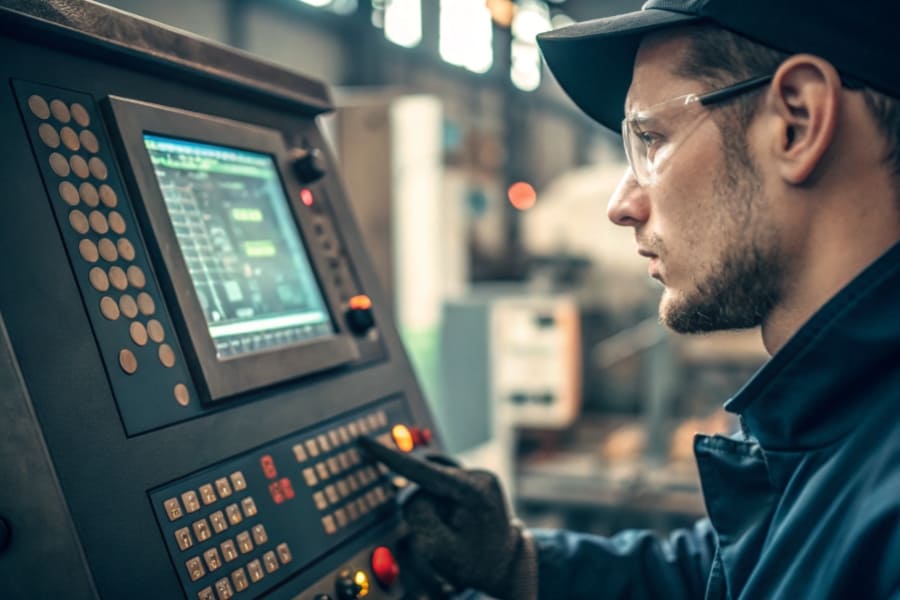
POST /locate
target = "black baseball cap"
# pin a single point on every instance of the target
(593, 60)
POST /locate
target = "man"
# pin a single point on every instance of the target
(763, 141)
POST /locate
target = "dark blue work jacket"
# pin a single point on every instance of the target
(805, 503)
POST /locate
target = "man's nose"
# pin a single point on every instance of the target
(628, 206)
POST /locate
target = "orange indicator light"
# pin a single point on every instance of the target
(403, 437)
(361, 302)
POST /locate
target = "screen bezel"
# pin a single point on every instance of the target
(243, 372)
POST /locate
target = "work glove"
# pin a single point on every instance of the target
(460, 525)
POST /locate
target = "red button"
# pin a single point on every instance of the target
(286, 488)
(268, 467)
(275, 492)
(384, 566)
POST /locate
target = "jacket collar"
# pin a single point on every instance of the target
(847, 356)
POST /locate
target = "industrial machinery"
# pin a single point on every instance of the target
(192, 335)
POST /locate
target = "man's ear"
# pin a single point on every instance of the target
(804, 97)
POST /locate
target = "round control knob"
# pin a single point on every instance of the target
(351, 585)
(359, 315)
(384, 566)
(309, 164)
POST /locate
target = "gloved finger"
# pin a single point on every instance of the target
(428, 529)
(436, 479)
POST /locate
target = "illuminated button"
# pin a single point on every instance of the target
(299, 452)
(117, 278)
(276, 493)
(249, 507)
(126, 250)
(128, 306)
(182, 395)
(334, 438)
(344, 435)
(117, 224)
(79, 166)
(234, 514)
(99, 280)
(271, 561)
(88, 251)
(352, 512)
(342, 488)
(68, 193)
(48, 135)
(331, 494)
(260, 536)
(403, 438)
(155, 331)
(229, 552)
(173, 509)
(78, 221)
(212, 559)
(224, 589)
(311, 448)
(128, 362)
(88, 193)
(89, 141)
(183, 538)
(108, 251)
(239, 579)
(328, 524)
(268, 466)
(146, 304)
(206, 593)
(362, 583)
(255, 570)
(400, 482)
(322, 471)
(138, 333)
(69, 138)
(284, 553)
(218, 522)
(238, 481)
(108, 196)
(384, 566)
(353, 429)
(191, 503)
(59, 164)
(207, 494)
(98, 168)
(38, 107)
(287, 488)
(320, 501)
(245, 544)
(166, 354)
(80, 114)
(60, 111)
(195, 568)
(223, 487)
(201, 530)
(334, 466)
(323, 442)
(309, 476)
(340, 515)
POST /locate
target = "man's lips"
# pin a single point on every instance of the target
(646, 253)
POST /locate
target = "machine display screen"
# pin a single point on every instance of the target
(242, 248)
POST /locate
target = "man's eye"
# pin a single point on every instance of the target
(648, 138)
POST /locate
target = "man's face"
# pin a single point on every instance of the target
(703, 219)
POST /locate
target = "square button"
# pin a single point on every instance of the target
(207, 494)
(331, 494)
(191, 503)
(173, 509)
(244, 542)
(195, 568)
(342, 488)
(344, 435)
(271, 561)
(255, 570)
(373, 422)
(229, 552)
(363, 477)
(201, 530)
(344, 460)
(206, 594)
(311, 448)
(309, 476)
(383, 469)
(371, 499)
(224, 487)
(320, 501)
(218, 522)
(239, 579)
(299, 453)
(379, 492)
(352, 512)
(238, 481)
(212, 559)
(353, 429)
(249, 507)
(334, 466)
(354, 456)
(363, 426)
(323, 442)
(340, 515)
(259, 534)
(234, 514)
(328, 524)
(352, 482)
(284, 553)
(322, 471)
(334, 438)
(382, 418)
(183, 538)
(370, 470)
(223, 589)
(362, 506)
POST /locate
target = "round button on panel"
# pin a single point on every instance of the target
(107, 250)
(78, 221)
(80, 114)
(108, 196)
(117, 278)
(146, 304)
(155, 331)
(88, 251)
(128, 306)
(98, 222)
(89, 141)
(138, 333)
(126, 250)
(38, 107)
(79, 166)
(59, 164)
(60, 111)
(136, 277)
(49, 135)
(182, 395)
(89, 194)
(69, 138)
(98, 168)
(384, 566)
(166, 355)
(99, 279)
(109, 308)
(128, 361)
(68, 193)
(116, 222)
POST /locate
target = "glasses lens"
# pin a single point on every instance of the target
(636, 152)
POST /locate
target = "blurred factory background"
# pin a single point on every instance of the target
(482, 192)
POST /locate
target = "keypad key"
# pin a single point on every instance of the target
(212, 559)
(223, 487)
(271, 561)
(201, 530)
(249, 507)
(207, 494)
(183, 538)
(218, 522)
(195, 568)
(238, 481)
(206, 594)
(239, 579)
(259, 534)
(173, 509)
(255, 570)
(244, 542)
(229, 552)
(234, 514)
(191, 503)
(224, 589)
(284, 553)
(299, 453)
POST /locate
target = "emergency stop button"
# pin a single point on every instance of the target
(359, 314)
(384, 566)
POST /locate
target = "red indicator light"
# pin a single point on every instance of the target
(306, 197)
(361, 302)
(421, 437)
(384, 566)
(268, 467)
(522, 195)
(276, 493)
(286, 488)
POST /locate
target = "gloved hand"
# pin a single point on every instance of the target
(459, 523)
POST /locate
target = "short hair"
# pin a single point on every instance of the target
(720, 57)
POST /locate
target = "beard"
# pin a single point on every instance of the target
(745, 283)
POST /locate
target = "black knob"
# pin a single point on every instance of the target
(309, 164)
(5, 534)
(347, 589)
(360, 320)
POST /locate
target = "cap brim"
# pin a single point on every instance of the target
(593, 60)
